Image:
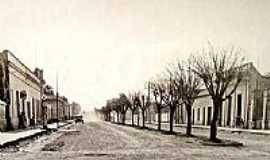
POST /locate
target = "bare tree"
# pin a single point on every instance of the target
(106, 111)
(171, 97)
(137, 104)
(221, 73)
(132, 107)
(158, 90)
(188, 87)
(143, 103)
(115, 106)
(124, 105)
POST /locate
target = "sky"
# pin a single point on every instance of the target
(100, 48)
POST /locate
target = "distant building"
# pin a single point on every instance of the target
(20, 89)
(75, 108)
(151, 114)
(50, 103)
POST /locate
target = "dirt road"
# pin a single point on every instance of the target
(100, 140)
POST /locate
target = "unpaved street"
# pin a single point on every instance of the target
(101, 140)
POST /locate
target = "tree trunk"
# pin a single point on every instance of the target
(172, 109)
(181, 112)
(138, 119)
(105, 116)
(118, 118)
(123, 118)
(132, 118)
(143, 120)
(189, 123)
(159, 119)
(213, 128)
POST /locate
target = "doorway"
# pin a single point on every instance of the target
(239, 110)
(209, 116)
(229, 111)
(193, 116)
(203, 116)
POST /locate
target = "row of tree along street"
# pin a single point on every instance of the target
(218, 70)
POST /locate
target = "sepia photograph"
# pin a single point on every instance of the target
(134, 80)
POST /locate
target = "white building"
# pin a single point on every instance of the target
(20, 90)
(249, 105)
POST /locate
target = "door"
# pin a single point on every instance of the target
(18, 103)
(209, 115)
(193, 116)
(239, 109)
(28, 110)
(33, 109)
(229, 110)
(203, 116)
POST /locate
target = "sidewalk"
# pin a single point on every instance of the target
(13, 137)
(233, 130)
(252, 131)
(7, 138)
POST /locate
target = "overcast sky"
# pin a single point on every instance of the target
(103, 47)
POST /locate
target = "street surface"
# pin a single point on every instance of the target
(101, 140)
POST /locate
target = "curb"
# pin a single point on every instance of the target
(14, 142)
(42, 132)
(232, 130)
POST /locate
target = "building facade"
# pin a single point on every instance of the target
(20, 89)
(57, 107)
(26, 99)
(75, 109)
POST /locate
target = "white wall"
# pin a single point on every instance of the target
(20, 82)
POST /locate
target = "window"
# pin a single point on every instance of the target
(193, 116)
(28, 109)
(209, 115)
(33, 108)
(11, 103)
(18, 102)
(37, 110)
(198, 114)
(229, 110)
(203, 115)
(239, 105)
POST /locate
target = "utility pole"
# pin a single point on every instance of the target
(57, 97)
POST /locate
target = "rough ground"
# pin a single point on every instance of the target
(100, 140)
